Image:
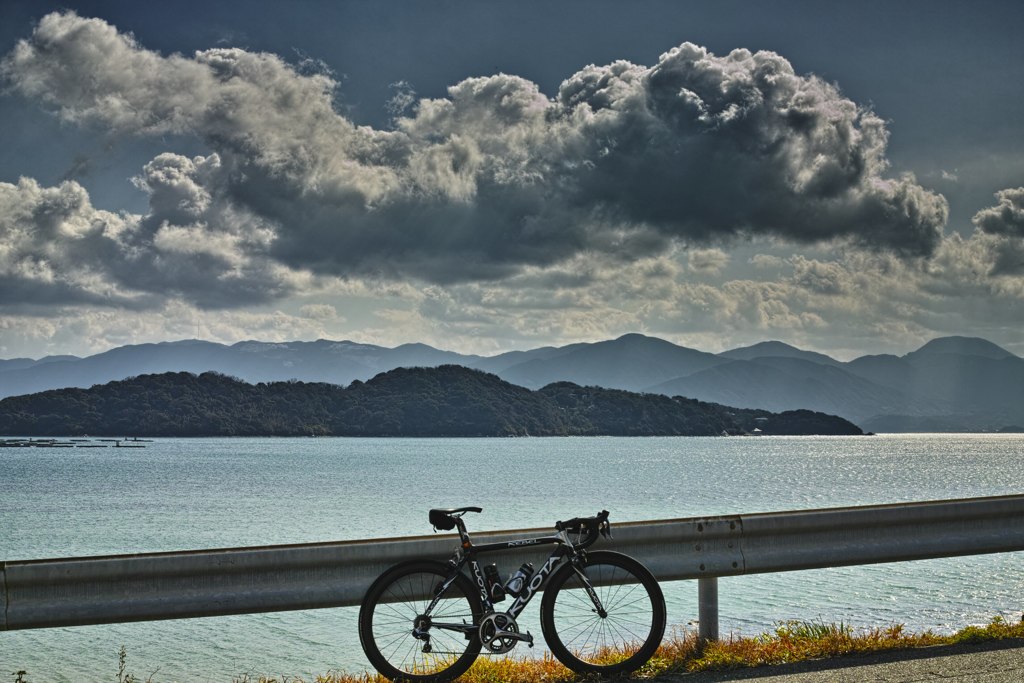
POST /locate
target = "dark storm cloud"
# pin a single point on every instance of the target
(708, 147)
(624, 160)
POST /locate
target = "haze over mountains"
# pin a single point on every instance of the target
(949, 384)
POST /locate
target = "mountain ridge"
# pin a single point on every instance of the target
(963, 382)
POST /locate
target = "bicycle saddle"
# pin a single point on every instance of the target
(441, 518)
(452, 511)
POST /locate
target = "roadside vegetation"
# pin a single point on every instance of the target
(788, 643)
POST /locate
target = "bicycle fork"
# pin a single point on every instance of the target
(589, 587)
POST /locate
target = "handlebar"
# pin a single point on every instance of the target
(593, 526)
(446, 519)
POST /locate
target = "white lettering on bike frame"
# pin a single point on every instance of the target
(535, 582)
(481, 584)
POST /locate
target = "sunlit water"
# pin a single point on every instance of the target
(208, 493)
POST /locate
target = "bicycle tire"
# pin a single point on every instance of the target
(624, 639)
(386, 617)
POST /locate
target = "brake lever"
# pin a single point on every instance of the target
(606, 529)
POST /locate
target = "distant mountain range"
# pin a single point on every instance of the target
(949, 384)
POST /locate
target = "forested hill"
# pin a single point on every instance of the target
(445, 401)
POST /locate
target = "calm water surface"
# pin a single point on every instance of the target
(206, 493)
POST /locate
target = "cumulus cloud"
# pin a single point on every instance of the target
(497, 177)
(55, 247)
(319, 312)
(766, 261)
(1002, 232)
(820, 277)
(403, 99)
(707, 261)
(1006, 217)
(709, 147)
(198, 245)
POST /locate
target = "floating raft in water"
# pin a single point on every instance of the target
(73, 443)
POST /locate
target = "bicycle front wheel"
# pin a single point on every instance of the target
(617, 636)
(395, 607)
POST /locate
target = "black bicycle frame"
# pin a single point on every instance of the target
(530, 588)
(467, 554)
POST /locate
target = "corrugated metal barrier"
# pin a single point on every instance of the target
(176, 585)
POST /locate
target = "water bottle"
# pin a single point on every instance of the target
(494, 588)
(517, 582)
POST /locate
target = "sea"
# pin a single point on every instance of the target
(178, 494)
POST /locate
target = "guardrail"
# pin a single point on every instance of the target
(95, 590)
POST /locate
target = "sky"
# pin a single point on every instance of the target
(490, 176)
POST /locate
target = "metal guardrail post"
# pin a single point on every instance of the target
(3, 597)
(707, 608)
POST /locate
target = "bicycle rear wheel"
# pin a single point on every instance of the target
(397, 602)
(618, 641)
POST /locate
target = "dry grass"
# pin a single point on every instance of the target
(802, 641)
(792, 641)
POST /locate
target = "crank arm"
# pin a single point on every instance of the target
(514, 635)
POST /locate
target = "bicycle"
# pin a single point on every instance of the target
(426, 620)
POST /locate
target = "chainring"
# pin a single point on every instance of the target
(491, 625)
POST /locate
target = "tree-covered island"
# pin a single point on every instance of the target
(450, 401)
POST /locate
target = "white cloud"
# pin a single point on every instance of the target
(319, 312)
(707, 261)
(766, 261)
(820, 278)
(54, 247)
(1007, 217)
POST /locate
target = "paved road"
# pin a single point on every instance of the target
(982, 663)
